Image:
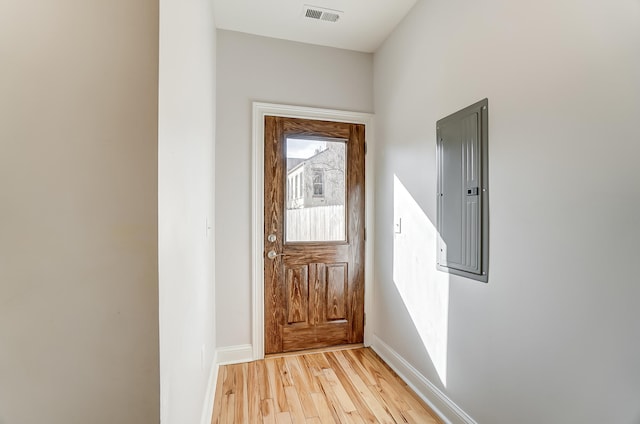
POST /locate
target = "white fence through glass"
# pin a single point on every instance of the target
(321, 223)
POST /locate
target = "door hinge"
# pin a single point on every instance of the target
(365, 148)
(365, 234)
(364, 319)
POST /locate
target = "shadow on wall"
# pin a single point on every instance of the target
(423, 289)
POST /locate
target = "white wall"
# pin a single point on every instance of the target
(555, 334)
(252, 68)
(186, 202)
(78, 212)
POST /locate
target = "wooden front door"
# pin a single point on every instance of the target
(313, 233)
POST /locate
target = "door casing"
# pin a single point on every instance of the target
(260, 110)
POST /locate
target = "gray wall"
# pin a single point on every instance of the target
(78, 212)
(554, 336)
(252, 68)
(186, 194)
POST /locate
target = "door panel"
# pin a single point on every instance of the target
(297, 283)
(314, 234)
(336, 291)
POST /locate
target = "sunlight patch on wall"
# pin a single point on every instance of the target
(424, 290)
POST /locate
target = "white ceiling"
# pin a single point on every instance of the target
(363, 27)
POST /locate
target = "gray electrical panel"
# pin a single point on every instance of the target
(463, 192)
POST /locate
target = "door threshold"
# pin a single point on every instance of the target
(316, 350)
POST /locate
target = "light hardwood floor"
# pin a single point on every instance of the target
(344, 386)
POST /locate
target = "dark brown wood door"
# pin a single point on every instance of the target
(314, 233)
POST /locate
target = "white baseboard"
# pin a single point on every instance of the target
(207, 407)
(438, 401)
(234, 354)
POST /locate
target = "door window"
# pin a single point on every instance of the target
(315, 205)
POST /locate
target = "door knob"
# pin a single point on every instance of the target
(272, 254)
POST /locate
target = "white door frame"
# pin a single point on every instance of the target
(260, 110)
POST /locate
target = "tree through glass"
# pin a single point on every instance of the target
(315, 190)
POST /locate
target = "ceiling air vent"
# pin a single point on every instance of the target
(321, 14)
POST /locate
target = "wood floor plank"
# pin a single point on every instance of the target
(217, 400)
(356, 363)
(355, 418)
(326, 414)
(316, 363)
(332, 399)
(228, 409)
(388, 382)
(227, 382)
(375, 371)
(277, 389)
(397, 385)
(241, 413)
(253, 387)
(371, 370)
(285, 375)
(365, 391)
(344, 375)
(228, 399)
(370, 393)
(343, 397)
(419, 407)
(295, 407)
(263, 382)
(283, 418)
(302, 386)
(421, 417)
(349, 386)
(393, 393)
(375, 359)
(308, 375)
(268, 411)
(391, 408)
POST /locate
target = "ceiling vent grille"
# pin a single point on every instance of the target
(321, 14)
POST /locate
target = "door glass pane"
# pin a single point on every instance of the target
(315, 190)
